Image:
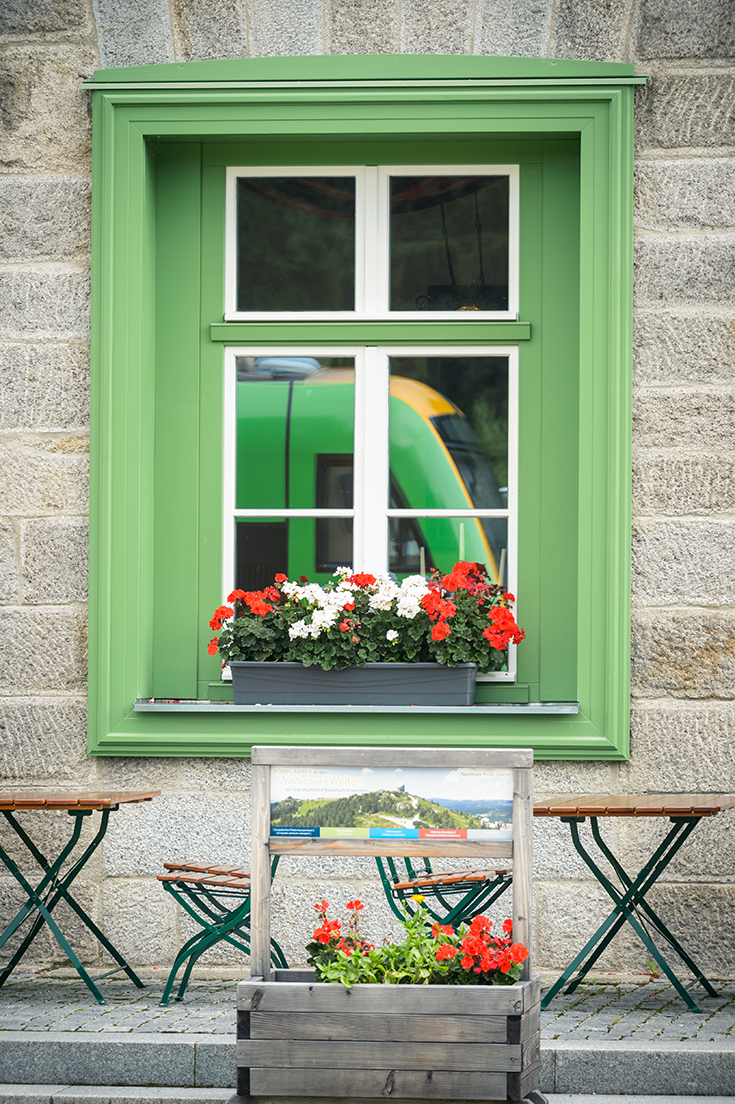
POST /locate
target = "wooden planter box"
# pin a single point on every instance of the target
(372, 684)
(301, 1038)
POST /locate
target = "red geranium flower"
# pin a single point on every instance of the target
(440, 631)
(446, 951)
(213, 646)
(281, 578)
(362, 579)
(236, 596)
(356, 905)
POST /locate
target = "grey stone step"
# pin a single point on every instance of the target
(39, 1059)
(109, 1094)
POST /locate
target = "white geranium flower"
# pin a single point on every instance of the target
(408, 606)
(391, 635)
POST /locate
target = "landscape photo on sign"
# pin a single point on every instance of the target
(392, 802)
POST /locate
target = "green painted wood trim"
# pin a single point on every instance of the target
(124, 381)
(372, 67)
(367, 332)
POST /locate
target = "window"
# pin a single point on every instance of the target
(389, 316)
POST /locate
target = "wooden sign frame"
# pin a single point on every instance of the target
(265, 846)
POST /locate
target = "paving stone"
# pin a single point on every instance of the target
(213, 827)
(686, 419)
(44, 387)
(44, 740)
(42, 650)
(216, 1063)
(44, 302)
(288, 30)
(683, 269)
(512, 29)
(683, 563)
(447, 30)
(686, 111)
(48, 126)
(683, 484)
(702, 29)
(211, 28)
(596, 29)
(54, 555)
(133, 32)
(363, 27)
(680, 747)
(44, 477)
(694, 194)
(683, 346)
(44, 219)
(683, 655)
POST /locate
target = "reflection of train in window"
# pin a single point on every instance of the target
(295, 422)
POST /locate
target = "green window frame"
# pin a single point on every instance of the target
(163, 139)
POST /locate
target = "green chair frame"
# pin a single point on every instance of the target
(477, 894)
(209, 905)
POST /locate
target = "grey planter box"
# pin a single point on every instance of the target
(372, 684)
(305, 1039)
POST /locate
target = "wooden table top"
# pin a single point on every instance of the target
(72, 799)
(608, 805)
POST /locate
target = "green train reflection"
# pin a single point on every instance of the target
(295, 420)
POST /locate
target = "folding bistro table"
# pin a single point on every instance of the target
(685, 812)
(54, 885)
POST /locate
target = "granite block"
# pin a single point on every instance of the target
(681, 746)
(694, 484)
(139, 917)
(117, 1058)
(44, 740)
(8, 563)
(22, 17)
(363, 27)
(686, 111)
(42, 650)
(54, 555)
(446, 29)
(686, 345)
(44, 387)
(44, 220)
(595, 29)
(683, 562)
(682, 654)
(211, 28)
(47, 115)
(701, 29)
(684, 269)
(292, 29)
(629, 1067)
(686, 419)
(133, 32)
(689, 195)
(512, 29)
(45, 477)
(44, 303)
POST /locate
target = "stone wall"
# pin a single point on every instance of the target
(683, 718)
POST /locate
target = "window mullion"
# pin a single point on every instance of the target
(367, 215)
(371, 461)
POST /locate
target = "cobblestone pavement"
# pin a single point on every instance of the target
(602, 1010)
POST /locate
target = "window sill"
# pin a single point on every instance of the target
(162, 705)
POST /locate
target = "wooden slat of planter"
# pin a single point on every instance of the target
(498, 758)
(497, 1000)
(379, 1027)
(521, 1084)
(383, 1083)
(362, 1055)
(439, 848)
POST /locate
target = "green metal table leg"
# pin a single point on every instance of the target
(623, 910)
(56, 889)
(641, 902)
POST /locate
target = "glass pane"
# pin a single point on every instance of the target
(310, 547)
(449, 432)
(295, 432)
(416, 546)
(449, 243)
(295, 243)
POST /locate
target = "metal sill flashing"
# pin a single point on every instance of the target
(487, 709)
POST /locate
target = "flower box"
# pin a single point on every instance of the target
(282, 683)
(299, 1038)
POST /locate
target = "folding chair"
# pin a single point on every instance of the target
(208, 892)
(478, 888)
